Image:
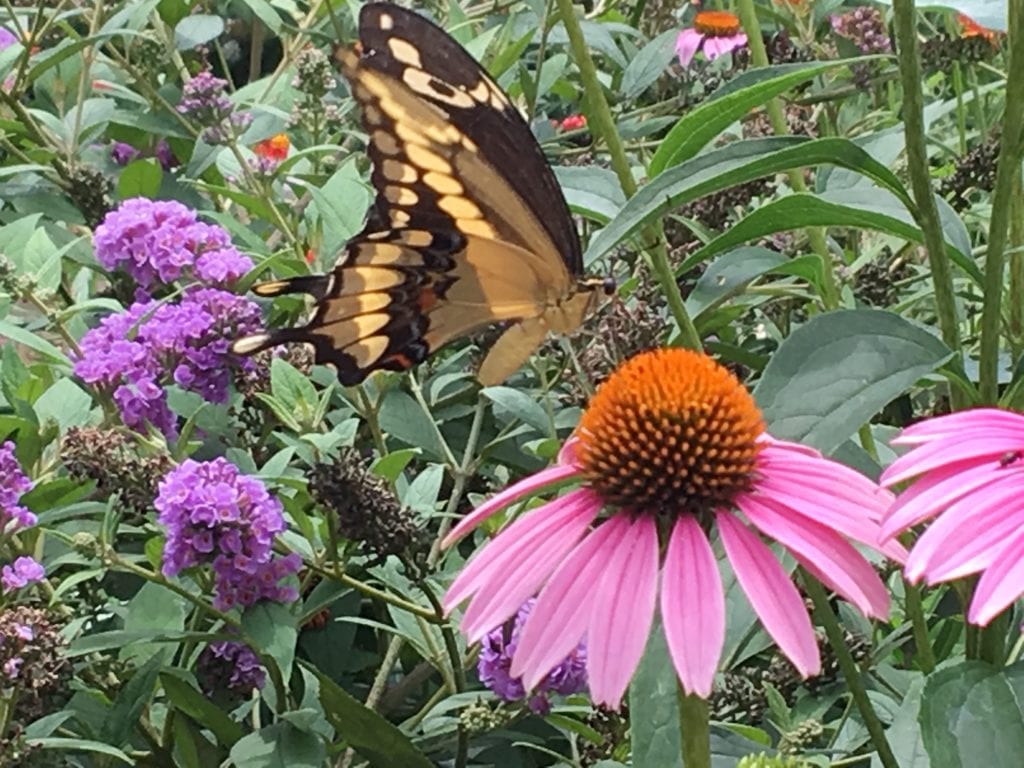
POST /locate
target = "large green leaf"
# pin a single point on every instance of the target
(834, 373)
(591, 191)
(374, 738)
(868, 209)
(727, 105)
(131, 701)
(973, 715)
(198, 706)
(649, 64)
(654, 708)
(277, 746)
(733, 164)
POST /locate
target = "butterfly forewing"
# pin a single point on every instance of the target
(401, 46)
(469, 226)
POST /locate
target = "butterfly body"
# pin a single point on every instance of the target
(468, 228)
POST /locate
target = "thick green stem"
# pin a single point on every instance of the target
(1006, 178)
(602, 124)
(1016, 252)
(694, 731)
(777, 116)
(905, 21)
(919, 623)
(992, 645)
(824, 615)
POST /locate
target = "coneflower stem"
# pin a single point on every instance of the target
(1007, 172)
(1016, 252)
(694, 730)
(777, 116)
(824, 615)
(919, 624)
(602, 124)
(927, 214)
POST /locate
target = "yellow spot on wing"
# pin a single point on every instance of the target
(368, 351)
(443, 184)
(350, 306)
(386, 21)
(427, 160)
(386, 143)
(405, 52)
(400, 195)
(399, 171)
(368, 279)
(422, 82)
(477, 227)
(459, 207)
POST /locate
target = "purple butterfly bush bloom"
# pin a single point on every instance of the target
(204, 99)
(496, 651)
(162, 241)
(13, 484)
(7, 38)
(24, 571)
(136, 353)
(230, 666)
(216, 516)
(122, 153)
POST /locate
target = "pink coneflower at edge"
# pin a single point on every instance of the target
(671, 447)
(713, 32)
(968, 476)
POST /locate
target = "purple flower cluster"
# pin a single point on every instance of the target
(22, 635)
(13, 484)
(24, 571)
(230, 666)
(122, 154)
(496, 651)
(137, 352)
(215, 515)
(204, 99)
(865, 27)
(162, 241)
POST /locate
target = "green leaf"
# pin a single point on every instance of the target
(868, 209)
(422, 493)
(972, 715)
(65, 403)
(728, 275)
(369, 734)
(654, 707)
(131, 701)
(834, 373)
(340, 205)
(390, 467)
(265, 12)
(198, 706)
(649, 64)
(294, 390)
(904, 734)
(402, 418)
(279, 746)
(32, 341)
(727, 105)
(272, 627)
(736, 163)
(192, 31)
(140, 178)
(510, 403)
(154, 608)
(58, 744)
(591, 191)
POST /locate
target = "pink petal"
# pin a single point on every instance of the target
(832, 510)
(560, 520)
(827, 554)
(525, 572)
(966, 529)
(693, 606)
(951, 425)
(932, 456)
(1000, 585)
(935, 491)
(716, 46)
(687, 45)
(771, 593)
(957, 558)
(560, 617)
(498, 502)
(623, 612)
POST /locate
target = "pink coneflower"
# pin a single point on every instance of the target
(970, 478)
(714, 33)
(671, 455)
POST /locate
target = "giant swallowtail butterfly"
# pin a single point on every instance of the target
(468, 228)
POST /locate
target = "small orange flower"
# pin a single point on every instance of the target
(274, 148)
(971, 28)
(574, 122)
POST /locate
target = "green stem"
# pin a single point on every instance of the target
(694, 731)
(992, 645)
(602, 124)
(905, 21)
(1016, 252)
(1006, 178)
(919, 623)
(824, 615)
(776, 114)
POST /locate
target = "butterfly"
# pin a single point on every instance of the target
(468, 227)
